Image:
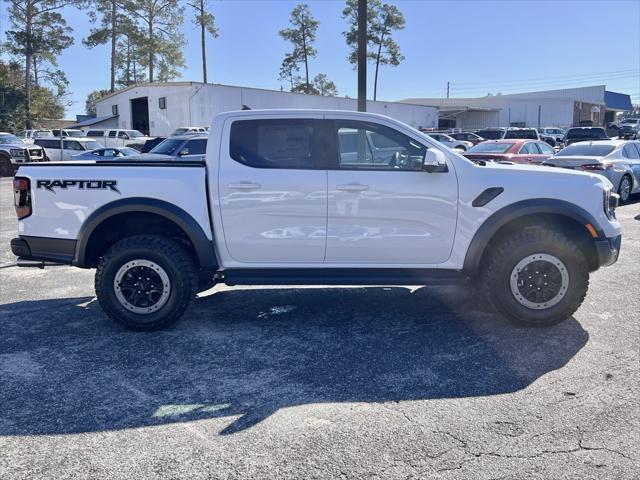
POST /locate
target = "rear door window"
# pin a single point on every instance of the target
(197, 147)
(545, 149)
(112, 134)
(631, 152)
(275, 143)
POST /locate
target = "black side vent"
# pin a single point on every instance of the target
(486, 196)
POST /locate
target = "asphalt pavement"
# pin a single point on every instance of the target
(293, 383)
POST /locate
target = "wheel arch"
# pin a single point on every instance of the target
(117, 218)
(534, 213)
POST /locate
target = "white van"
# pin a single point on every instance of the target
(118, 137)
(69, 147)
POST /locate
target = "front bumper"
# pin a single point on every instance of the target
(608, 250)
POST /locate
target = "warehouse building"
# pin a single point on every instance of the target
(159, 108)
(552, 108)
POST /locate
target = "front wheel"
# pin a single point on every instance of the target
(145, 282)
(537, 277)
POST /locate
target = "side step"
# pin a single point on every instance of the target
(26, 262)
(343, 276)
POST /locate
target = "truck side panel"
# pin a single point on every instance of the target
(64, 196)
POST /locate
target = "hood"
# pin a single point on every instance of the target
(534, 173)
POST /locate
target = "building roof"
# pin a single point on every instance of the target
(92, 121)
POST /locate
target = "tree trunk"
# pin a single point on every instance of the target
(375, 81)
(35, 72)
(202, 39)
(27, 65)
(113, 46)
(151, 49)
(306, 63)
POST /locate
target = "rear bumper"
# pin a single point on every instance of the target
(608, 250)
(58, 250)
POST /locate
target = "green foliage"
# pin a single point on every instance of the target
(382, 20)
(92, 99)
(161, 40)
(45, 103)
(302, 35)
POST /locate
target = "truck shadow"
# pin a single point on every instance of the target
(241, 355)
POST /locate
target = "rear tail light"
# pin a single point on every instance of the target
(22, 197)
(596, 167)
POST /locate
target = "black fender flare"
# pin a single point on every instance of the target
(520, 209)
(203, 246)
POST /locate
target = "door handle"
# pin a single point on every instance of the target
(352, 187)
(244, 186)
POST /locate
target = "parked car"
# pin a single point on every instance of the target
(450, 142)
(511, 151)
(190, 130)
(491, 133)
(617, 160)
(185, 147)
(28, 136)
(116, 137)
(67, 132)
(69, 147)
(629, 128)
(467, 137)
(582, 134)
(555, 132)
(150, 144)
(105, 153)
(159, 233)
(13, 152)
(521, 133)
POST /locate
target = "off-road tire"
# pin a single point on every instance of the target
(502, 260)
(164, 252)
(7, 169)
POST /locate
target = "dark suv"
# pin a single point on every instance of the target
(491, 133)
(584, 134)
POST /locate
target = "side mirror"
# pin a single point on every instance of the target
(434, 161)
(184, 151)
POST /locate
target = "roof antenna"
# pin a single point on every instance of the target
(244, 107)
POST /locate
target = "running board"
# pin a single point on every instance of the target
(342, 276)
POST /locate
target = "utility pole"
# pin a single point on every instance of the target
(448, 89)
(362, 55)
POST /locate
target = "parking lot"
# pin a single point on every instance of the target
(317, 382)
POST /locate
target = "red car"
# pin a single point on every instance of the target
(516, 151)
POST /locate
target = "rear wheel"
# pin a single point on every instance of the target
(537, 277)
(624, 189)
(145, 282)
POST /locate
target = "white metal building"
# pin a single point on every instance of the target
(559, 108)
(160, 108)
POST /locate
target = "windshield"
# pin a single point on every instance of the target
(92, 145)
(167, 147)
(134, 133)
(75, 133)
(180, 131)
(528, 134)
(587, 133)
(10, 139)
(490, 148)
(578, 150)
(490, 134)
(129, 151)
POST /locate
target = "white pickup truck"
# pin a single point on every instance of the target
(318, 197)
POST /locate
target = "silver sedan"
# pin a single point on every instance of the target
(106, 153)
(617, 160)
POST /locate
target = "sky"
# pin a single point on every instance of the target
(479, 47)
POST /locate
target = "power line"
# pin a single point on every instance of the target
(551, 78)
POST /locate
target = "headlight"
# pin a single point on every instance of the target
(17, 152)
(610, 203)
